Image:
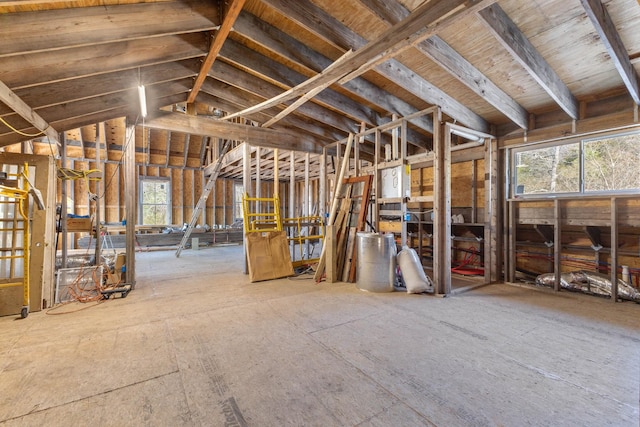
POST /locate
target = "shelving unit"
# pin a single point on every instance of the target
(588, 227)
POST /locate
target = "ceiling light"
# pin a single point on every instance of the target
(143, 101)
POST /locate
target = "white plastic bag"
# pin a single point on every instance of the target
(413, 274)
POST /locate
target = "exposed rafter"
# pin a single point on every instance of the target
(417, 25)
(283, 76)
(444, 55)
(510, 36)
(14, 102)
(301, 90)
(215, 128)
(326, 26)
(283, 44)
(218, 41)
(91, 26)
(605, 27)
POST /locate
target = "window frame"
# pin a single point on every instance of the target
(511, 172)
(141, 204)
(237, 204)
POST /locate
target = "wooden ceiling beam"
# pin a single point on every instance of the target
(68, 91)
(126, 98)
(609, 35)
(41, 31)
(419, 24)
(519, 46)
(444, 55)
(281, 75)
(13, 101)
(249, 83)
(290, 48)
(53, 66)
(330, 29)
(232, 13)
(232, 99)
(441, 53)
(298, 91)
(214, 128)
(91, 118)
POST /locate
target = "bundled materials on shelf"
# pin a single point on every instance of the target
(590, 283)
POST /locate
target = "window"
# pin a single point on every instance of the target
(612, 163)
(548, 170)
(238, 193)
(596, 165)
(155, 201)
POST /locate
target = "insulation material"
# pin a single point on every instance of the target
(590, 283)
(413, 274)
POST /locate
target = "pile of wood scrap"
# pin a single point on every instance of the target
(347, 216)
(350, 218)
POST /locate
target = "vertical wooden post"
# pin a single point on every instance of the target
(614, 249)
(510, 268)
(292, 193)
(404, 191)
(100, 139)
(276, 173)
(376, 181)
(491, 212)
(307, 198)
(322, 196)
(258, 180)
(63, 206)
(442, 205)
(246, 184)
(557, 242)
(130, 201)
(292, 184)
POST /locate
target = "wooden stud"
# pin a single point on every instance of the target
(130, 184)
(614, 250)
(557, 240)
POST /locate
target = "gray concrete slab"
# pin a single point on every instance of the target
(197, 344)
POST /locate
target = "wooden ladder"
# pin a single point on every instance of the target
(203, 199)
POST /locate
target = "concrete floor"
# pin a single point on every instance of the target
(197, 344)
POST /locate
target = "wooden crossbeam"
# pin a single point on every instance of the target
(417, 26)
(308, 89)
(218, 41)
(609, 35)
(318, 21)
(26, 112)
(440, 52)
(514, 41)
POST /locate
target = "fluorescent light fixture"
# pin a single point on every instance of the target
(143, 101)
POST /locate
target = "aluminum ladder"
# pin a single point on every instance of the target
(203, 199)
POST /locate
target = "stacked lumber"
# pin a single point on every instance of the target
(350, 218)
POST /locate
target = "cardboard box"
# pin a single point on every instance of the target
(268, 255)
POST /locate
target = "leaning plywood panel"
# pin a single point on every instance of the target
(268, 255)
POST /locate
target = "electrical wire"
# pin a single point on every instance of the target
(20, 132)
(124, 147)
(73, 174)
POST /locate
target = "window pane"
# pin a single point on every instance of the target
(548, 170)
(612, 163)
(155, 202)
(238, 194)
